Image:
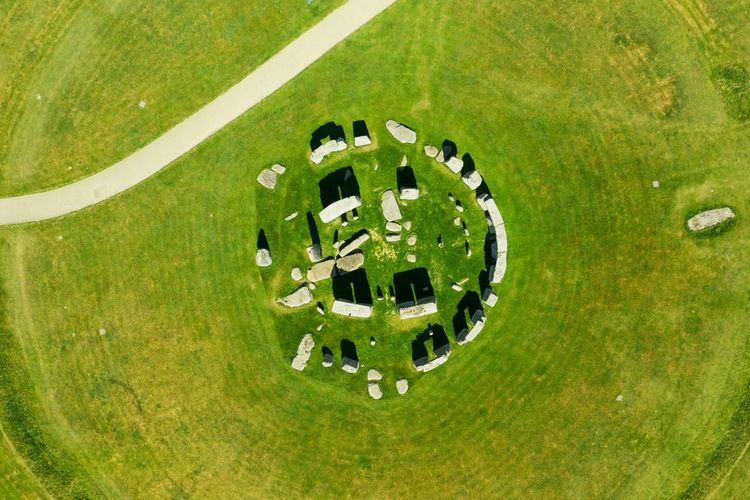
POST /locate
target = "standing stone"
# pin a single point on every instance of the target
(321, 310)
(279, 168)
(373, 388)
(407, 225)
(372, 339)
(402, 385)
(411, 240)
(472, 179)
(315, 253)
(489, 296)
(267, 178)
(457, 221)
(440, 158)
(389, 205)
(393, 227)
(408, 193)
(373, 375)
(459, 207)
(319, 327)
(349, 365)
(304, 350)
(455, 164)
(431, 151)
(401, 132)
(263, 257)
(297, 298)
(296, 274)
(404, 161)
(327, 359)
(411, 258)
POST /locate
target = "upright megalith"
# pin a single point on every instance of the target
(389, 205)
(263, 252)
(469, 319)
(407, 183)
(339, 194)
(327, 357)
(373, 375)
(414, 294)
(441, 349)
(489, 296)
(298, 298)
(326, 139)
(352, 295)
(349, 356)
(401, 132)
(304, 351)
(361, 134)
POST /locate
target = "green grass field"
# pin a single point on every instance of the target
(570, 110)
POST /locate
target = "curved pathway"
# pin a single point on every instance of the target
(145, 162)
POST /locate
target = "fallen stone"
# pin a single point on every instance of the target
(455, 164)
(263, 257)
(402, 385)
(407, 225)
(324, 150)
(297, 298)
(373, 388)
(315, 253)
(404, 161)
(389, 205)
(361, 141)
(457, 221)
(311, 286)
(451, 198)
(304, 350)
(393, 227)
(354, 244)
(411, 311)
(411, 258)
(373, 375)
(457, 287)
(350, 263)
(472, 179)
(350, 309)
(296, 274)
(431, 151)
(401, 132)
(440, 158)
(408, 193)
(372, 341)
(321, 271)
(319, 327)
(710, 218)
(279, 168)
(411, 240)
(267, 178)
(459, 207)
(291, 216)
(338, 208)
(393, 237)
(321, 310)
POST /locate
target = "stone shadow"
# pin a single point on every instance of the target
(467, 307)
(353, 287)
(349, 354)
(449, 149)
(263, 241)
(338, 185)
(413, 287)
(313, 227)
(360, 129)
(469, 164)
(329, 131)
(441, 345)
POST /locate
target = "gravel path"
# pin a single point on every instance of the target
(145, 162)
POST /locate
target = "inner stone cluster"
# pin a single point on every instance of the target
(411, 291)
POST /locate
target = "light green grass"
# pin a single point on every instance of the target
(190, 393)
(91, 63)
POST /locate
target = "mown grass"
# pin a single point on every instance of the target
(606, 293)
(74, 73)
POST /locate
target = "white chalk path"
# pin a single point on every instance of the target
(145, 162)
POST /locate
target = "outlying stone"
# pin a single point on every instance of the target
(394, 227)
(373, 375)
(321, 271)
(279, 168)
(431, 151)
(373, 388)
(297, 298)
(710, 218)
(324, 150)
(304, 350)
(350, 309)
(350, 263)
(338, 208)
(354, 243)
(402, 385)
(472, 179)
(267, 178)
(315, 253)
(393, 237)
(389, 205)
(263, 257)
(401, 132)
(408, 193)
